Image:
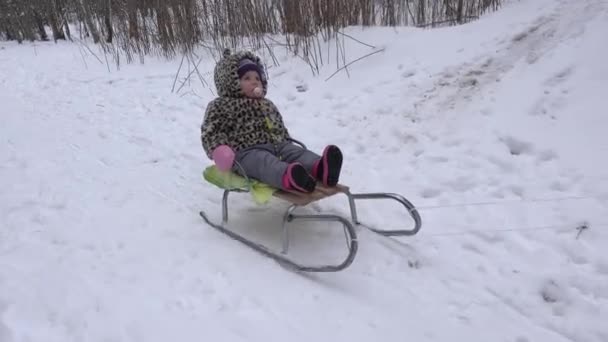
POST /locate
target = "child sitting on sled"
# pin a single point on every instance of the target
(242, 126)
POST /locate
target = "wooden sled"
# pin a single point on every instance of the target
(297, 200)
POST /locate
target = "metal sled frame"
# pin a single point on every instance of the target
(300, 200)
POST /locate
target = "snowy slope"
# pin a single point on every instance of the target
(495, 130)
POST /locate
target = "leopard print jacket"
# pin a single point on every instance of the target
(235, 120)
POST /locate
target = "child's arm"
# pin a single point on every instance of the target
(213, 130)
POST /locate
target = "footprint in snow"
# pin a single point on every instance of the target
(602, 268)
(451, 142)
(517, 190)
(576, 256)
(486, 112)
(516, 146)
(549, 104)
(384, 110)
(404, 137)
(552, 98)
(369, 90)
(338, 105)
(475, 72)
(525, 34)
(430, 193)
(468, 83)
(437, 159)
(559, 77)
(487, 63)
(408, 74)
(342, 123)
(472, 247)
(559, 186)
(360, 148)
(547, 155)
(551, 292)
(488, 237)
(462, 184)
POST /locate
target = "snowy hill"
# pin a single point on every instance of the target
(495, 130)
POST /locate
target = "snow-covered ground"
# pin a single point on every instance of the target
(496, 130)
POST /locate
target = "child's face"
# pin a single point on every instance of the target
(249, 82)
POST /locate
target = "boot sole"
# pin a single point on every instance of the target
(301, 180)
(332, 164)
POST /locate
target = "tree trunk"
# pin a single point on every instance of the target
(57, 32)
(132, 17)
(448, 9)
(89, 22)
(40, 25)
(421, 12)
(108, 21)
(67, 30)
(460, 8)
(9, 35)
(54, 17)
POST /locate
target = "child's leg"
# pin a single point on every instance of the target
(261, 164)
(326, 168)
(294, 153)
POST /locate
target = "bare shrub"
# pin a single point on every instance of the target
(136, 28)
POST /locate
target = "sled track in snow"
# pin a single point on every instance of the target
(464, 82)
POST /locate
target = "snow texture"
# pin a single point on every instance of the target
(495, 130)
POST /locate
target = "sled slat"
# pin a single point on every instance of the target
(302, 199)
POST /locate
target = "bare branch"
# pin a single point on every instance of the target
(356, 60)
(357, 40)
(177, 73)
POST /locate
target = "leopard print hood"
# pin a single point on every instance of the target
(226, 76)
(235, 120)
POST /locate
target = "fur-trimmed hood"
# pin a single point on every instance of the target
(226, 76)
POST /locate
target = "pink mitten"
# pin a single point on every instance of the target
(223, 156)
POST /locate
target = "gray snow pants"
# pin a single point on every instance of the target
(268, 162)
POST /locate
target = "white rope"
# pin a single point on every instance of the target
(515, 201)
(565, 227)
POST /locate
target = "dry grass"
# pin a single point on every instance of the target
(136, 28)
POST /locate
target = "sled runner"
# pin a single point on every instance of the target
(231, 182)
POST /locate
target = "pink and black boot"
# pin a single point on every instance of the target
(297, 178)
(327, 169)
